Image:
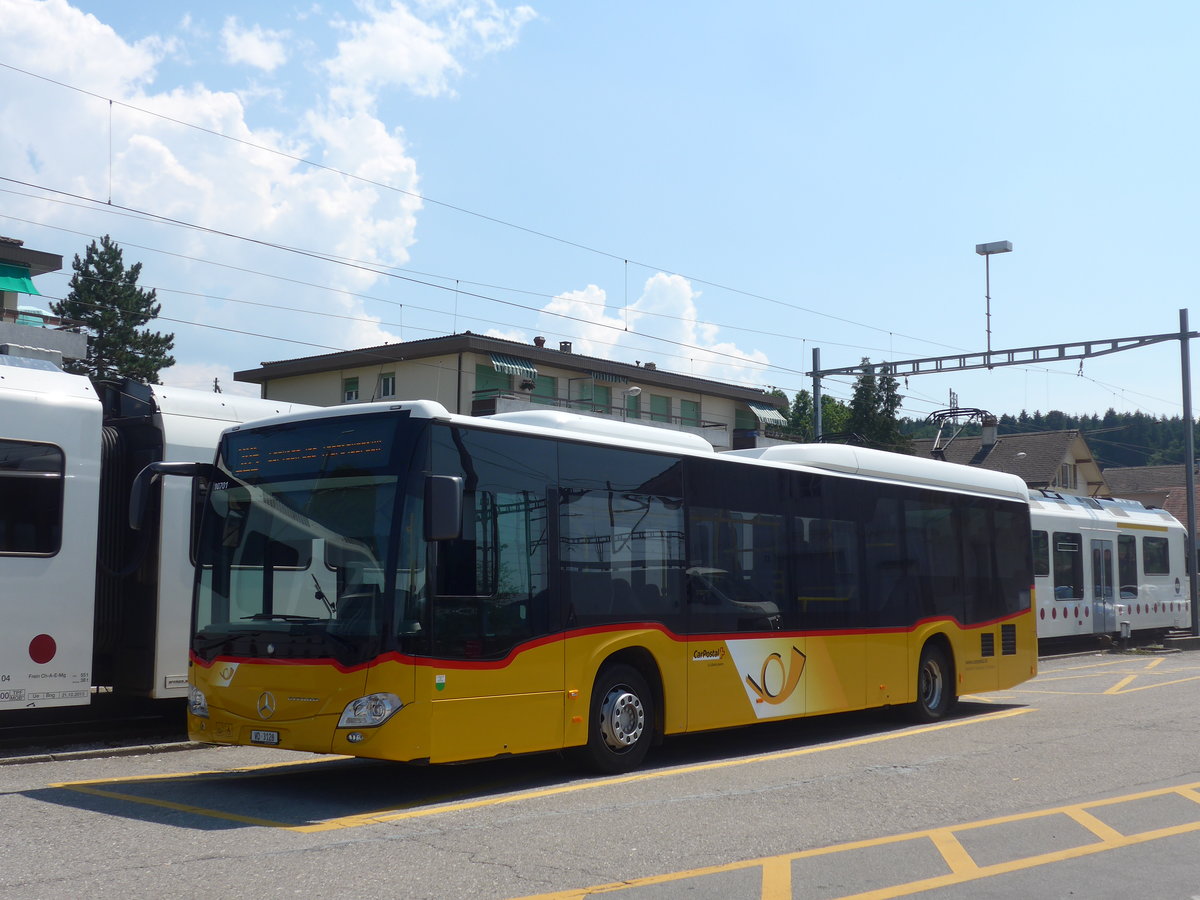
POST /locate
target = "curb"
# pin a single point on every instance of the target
(100, 752)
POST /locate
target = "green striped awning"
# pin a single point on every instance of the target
(766, 413)
(609, 376)
(16, 279)
(514, 365)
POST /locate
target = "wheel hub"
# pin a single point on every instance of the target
(622, 718)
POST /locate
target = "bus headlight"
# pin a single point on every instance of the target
(369, 711)
(197, 702)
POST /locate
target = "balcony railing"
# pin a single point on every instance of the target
(37, 319)
(489, 402)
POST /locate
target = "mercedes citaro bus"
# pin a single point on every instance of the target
(393, 581)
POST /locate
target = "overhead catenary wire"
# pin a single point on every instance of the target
(381, 270)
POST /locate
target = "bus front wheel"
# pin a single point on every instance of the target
(621, 725)
(935, 686)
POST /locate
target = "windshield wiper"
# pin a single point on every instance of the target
(282, 617)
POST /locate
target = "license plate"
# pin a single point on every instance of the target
(264, 737)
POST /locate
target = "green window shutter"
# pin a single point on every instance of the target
(744, 420)
(488, 379)
(660, 408)
(602, 398)
(633, 406)
(689, 411)
(546, 390)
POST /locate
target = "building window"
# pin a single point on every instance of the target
(1067, 474)
(689, 412)
(387, 384)
(660, 408)
(595, 397)
(349, 390)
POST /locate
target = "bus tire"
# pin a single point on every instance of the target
(935, 686)
(621, 724)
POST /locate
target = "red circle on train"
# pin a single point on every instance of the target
(1077, 612)
(1043, 613)
(1086, 612)
(1054, 613)
(42, 649)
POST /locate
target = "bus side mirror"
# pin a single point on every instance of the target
(443, 507)
(139, 494)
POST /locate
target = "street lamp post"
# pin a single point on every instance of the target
(987, 251)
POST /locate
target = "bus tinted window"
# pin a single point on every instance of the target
(826, 574)
(621, 544)
(492, 584)
(31, 498)
(736, 571)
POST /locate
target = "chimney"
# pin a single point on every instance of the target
(989, 432)
(539, 342)
(564, 346)
(649, 365)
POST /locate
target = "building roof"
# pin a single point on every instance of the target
(1143, 479)
(38, 262)
(643, 375)
(1034, 456)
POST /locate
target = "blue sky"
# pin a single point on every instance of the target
(712, 187)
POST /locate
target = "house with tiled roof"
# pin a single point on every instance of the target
(477, 375)
(1046, 460)
(1161, 486)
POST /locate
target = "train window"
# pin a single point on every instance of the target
(1041, 554)
(1068, 566)
(31, 498)
(1127, 573)
(1155, 558)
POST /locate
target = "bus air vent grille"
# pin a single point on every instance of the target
(1008, 640)
(987, 644)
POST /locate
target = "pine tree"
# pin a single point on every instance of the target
(105, 298)
(873, 411)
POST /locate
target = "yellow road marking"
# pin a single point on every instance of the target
(963, 867)
(394, 814)
(777, 879)
(952, 850)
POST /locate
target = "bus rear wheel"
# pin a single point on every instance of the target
(935, 686)
(621, 724)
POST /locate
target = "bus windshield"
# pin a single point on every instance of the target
(298, 535)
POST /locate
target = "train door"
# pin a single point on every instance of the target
(1104, 612)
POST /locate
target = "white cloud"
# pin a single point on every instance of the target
(395, 47)
(666, 308)
(253, 46)
(159, 166)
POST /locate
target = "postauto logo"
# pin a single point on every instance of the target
(771, 671)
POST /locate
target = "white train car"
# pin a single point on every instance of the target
(1106, 567)
(87, 602)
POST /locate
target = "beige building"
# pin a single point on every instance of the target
(27, 327)
(480, 376)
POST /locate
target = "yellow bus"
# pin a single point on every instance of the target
(393, 581)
